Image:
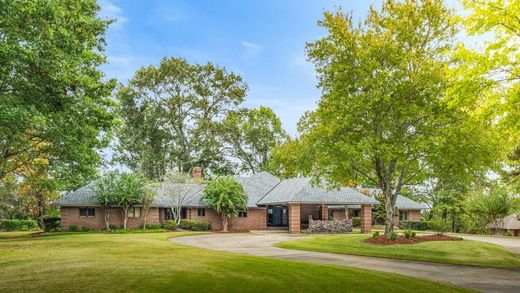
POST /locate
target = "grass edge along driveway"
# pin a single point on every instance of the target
(464, 252)
(149, 262)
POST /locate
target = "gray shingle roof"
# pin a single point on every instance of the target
(510, 222)
(81, 197)
(261, 189)
(301, 190)
(257, 186)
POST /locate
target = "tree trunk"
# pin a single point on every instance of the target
(107, 218)
(176, 211)
(224, 223)
(389, 216)
(125, 217)
(41, 210)
(145, 219)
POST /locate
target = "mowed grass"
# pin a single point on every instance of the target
(464, 252)
(97, 262)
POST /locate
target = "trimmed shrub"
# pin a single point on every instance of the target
(375, 234)
(356, 222)
(73, 228)
(392, 236)
(18, 225)
(408, 234)
(52, 224)
(170, 225)
(153, 226)
(114, 227)
(412, 225)
(195, 225)
(86, 229)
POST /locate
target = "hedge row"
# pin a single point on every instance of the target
(18, 225)
(195, 225)
(421, 226)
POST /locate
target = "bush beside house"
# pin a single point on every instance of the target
(18, 225)
(195, 225)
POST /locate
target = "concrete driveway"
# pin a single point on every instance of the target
(510, 243)
(263, 244)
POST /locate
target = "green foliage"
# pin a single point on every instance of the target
(408, 234)
(440, 226)
(491, 206)
(154, 226)
(413, 225)
(172, 116)
(392, 235)
(356, 222)
(115, 227)
(73, 228)
(496, 67)
(54, 100)
(385, 84)
(148, 198)
(170, 225)
(52, 223)
(251, 134)
(18, 225)
(195, 225)
(375, 234)
(226, 196)
(87, 229)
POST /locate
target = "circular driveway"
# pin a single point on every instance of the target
(263, 244)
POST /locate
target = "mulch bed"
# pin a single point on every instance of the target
(382, 240)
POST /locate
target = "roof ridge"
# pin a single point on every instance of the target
(269, 191)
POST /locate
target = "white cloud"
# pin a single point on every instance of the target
(112, 11)
(252, 46)
(251, 50)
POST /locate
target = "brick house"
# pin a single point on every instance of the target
(273, 203)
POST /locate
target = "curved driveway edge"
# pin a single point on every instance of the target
(263, 244)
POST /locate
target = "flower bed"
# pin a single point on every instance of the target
(382, 240)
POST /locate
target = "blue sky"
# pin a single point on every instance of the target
(263, 41)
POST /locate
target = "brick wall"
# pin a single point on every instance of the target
(294, 218)
(255, 220)
(70, 216)
(414, 215)
(307, 210)
(366, 218)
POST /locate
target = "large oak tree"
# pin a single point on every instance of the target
(54, 101)
(390, 114)
(172, 117)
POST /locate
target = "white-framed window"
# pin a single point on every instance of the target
(134, 213)
(87, 212)
(242, 214)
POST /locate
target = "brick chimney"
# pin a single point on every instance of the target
(197, 174)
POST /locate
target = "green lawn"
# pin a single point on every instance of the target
(465, 252)
(149, 262)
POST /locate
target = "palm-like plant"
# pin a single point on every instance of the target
(227, 197)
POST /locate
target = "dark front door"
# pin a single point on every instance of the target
(277, 216)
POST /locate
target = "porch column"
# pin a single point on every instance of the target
(324, 212)
(294, 218)
(366, 218)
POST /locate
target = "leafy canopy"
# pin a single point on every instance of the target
(226, 196)
(172, 117)
(250, 135)
(54, 102)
